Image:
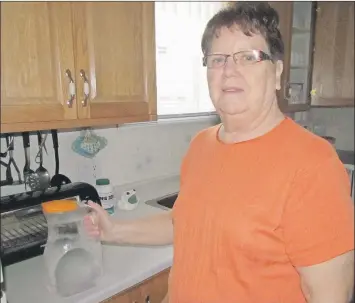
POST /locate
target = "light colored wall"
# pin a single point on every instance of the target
(134, 152)
(139, 152)
(339, 123)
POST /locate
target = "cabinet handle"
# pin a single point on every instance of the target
(71, 88)
(84, 102)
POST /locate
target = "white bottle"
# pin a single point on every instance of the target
(107, 197)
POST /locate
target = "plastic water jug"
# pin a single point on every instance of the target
(73, 259)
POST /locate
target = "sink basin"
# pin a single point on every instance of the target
(166, 202)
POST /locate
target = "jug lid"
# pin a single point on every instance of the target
(59, 206)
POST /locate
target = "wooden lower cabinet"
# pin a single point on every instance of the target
(152, 290)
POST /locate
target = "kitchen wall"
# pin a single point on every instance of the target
(338, 123)
(134, 153)
(138, 152)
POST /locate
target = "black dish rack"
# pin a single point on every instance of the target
(23, 224)
(23, 234)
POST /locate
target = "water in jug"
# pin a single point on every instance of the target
(73, 259)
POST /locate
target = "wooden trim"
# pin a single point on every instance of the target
(311, 52)
(286, 31)
(332, 102)
(20, 127)
(292, 108)
(101, 110)
(63, 41)
(149, 57)
(80, 45)
(31, 113)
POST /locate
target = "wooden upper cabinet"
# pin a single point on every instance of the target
(108, 49)
(36, 50)
(296, 27)
(115, 48)
(319, 54)
(333, 69)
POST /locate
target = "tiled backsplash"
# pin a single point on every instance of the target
(134, 152)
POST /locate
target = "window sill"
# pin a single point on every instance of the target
(187, 117)
(177, 119)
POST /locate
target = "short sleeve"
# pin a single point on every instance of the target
(318, 218)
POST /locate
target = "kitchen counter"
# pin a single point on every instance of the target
(124, 266)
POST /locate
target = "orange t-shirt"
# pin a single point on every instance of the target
(249, 213)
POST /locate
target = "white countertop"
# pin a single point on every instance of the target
(124, 266)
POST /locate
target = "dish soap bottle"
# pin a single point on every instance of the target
(107, 197)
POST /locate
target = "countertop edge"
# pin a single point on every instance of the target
(125, 285)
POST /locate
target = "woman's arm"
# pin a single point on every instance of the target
(329, 282)
(152, 230)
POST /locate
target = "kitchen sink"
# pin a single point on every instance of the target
(165, 202)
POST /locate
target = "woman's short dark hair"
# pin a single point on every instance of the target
(251, 18)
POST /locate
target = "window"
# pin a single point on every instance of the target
(181, 78)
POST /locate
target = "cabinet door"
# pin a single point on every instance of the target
(36, 51)
(155, 289)
(115, 49)
(122, 298)
(130, 296)
(296, 26)
(149, 291)
(333, 71)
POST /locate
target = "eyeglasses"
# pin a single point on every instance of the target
(242, 58)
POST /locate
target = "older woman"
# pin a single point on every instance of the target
(264, 212)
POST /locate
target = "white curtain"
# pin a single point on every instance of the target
(181, 78)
